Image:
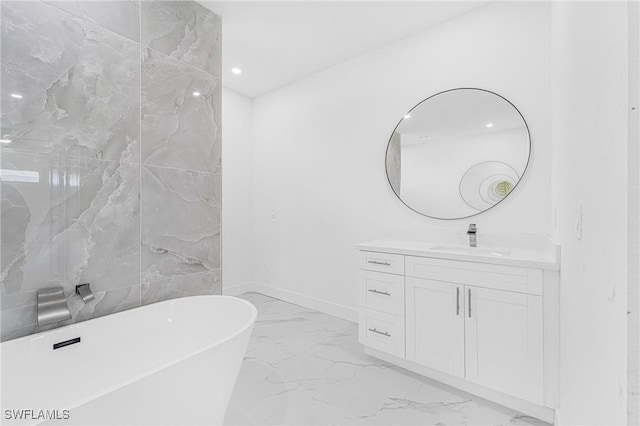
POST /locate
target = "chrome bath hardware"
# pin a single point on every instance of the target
(84, 291)
(457, 300)
(375, 262)
(380, 332)
(52, 306)
(384, 293)
(471, 232)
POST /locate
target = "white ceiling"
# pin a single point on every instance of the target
(276, 43)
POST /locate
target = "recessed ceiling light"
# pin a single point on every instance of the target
(407, 116)
(489, 125)
(236, 71)
(196, 94)
(17, 96)
(5, 140)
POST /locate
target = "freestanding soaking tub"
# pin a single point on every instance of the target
(170, 363)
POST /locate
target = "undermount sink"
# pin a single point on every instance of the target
(493, 251)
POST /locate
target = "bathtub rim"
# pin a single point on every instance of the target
(136, 377)
(42, 334)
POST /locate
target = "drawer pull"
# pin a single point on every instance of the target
(375, 262)
(384, 293)
(380, 332)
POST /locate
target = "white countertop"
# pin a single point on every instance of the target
(543, 256)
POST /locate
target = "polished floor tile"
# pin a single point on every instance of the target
(303, 367)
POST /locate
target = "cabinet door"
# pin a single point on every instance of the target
(503, 333)
(435, 324)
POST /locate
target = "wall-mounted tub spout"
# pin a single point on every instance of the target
(52, 306)
(85, 293)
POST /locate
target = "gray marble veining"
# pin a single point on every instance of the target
(119, 16)
(21, 321)
(83, 222)
(183, 30)
(180, 115)
(66, 221)
(307, 368)
(103, 237)
(202, 283)
(81, 100)
(78, 85)
(180, 222)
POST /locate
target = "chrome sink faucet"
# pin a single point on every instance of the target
(471, 232)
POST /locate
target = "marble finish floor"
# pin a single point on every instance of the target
(303, 367)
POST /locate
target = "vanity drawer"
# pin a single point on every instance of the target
(382, 292)
(382, 262)
(499, 277)
(383, 332)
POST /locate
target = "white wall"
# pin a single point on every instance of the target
(319, 183)
(590, 136)
(315, 172)
(634, 217)
(236, 189)
(633, 319)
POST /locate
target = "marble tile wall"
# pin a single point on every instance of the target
(110, 155)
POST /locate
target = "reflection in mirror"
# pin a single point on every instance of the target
(458, 153)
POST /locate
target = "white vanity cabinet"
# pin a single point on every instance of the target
(503, 342)
(383, 301)
(435, 325)
(477, 323)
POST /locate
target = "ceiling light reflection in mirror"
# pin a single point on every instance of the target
(458, 153)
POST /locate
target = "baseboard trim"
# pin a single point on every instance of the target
(543, 413)
(238, 289)
(329, 308)
(351, 314)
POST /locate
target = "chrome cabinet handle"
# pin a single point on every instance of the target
(384, 293)
(457, 300)
(380, 332)
(469, 303)
(375, 262)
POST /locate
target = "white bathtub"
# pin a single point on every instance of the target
(170, 363)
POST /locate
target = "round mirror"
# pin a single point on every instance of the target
(458, 153)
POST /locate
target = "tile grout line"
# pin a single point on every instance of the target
(181, 169)
(208, 271)
(33, 305)
(90, 21)
(215, 77)
(142, 165)
(141, 47)
(193, 67)
(66, 156)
